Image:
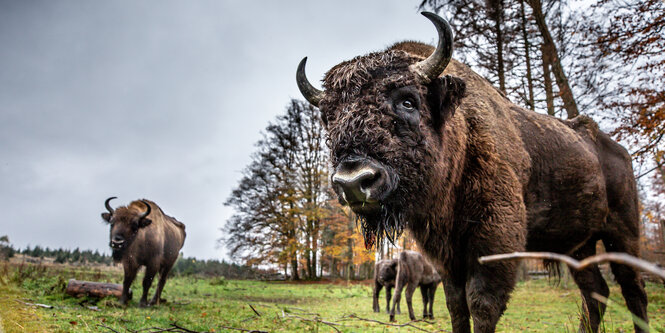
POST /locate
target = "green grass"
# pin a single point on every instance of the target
(207, 304)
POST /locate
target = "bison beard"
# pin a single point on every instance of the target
(388, 223)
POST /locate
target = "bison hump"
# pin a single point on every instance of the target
(583, 125)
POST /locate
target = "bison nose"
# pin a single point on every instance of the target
(117, 241)
(361, 182)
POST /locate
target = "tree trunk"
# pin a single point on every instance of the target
(496, 14)
(549, 48)
(79, 288)
(529, 79)
(547, 81)
(294, 269)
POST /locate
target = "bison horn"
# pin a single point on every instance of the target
(147, 211)
(312, 94)
(108, 206)
(434, 65)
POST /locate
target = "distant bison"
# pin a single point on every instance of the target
(414, 270)
(385, 272)
(142, 235)
(472, 174)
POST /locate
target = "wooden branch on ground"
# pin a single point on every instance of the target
(108, 328)
(615, 257)
(409, 324)
(315, 319)
(179, 329)
(45, 306)
(253, 309)
(78, 288)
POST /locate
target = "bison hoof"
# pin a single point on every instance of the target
(412, 317)
(392, 318)
(143, 304)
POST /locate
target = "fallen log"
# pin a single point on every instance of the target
(79, 288)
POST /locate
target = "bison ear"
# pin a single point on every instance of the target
(144, 222)
(107, 217)
(444, 96)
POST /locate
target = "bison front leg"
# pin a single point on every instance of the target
(457, 306)
(150, 273)
(130, 275)
(375, 296)
(488, 292)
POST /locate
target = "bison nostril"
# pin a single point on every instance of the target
(369, 182)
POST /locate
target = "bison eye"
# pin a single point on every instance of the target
(408, 104)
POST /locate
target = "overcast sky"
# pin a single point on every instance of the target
(157, 99)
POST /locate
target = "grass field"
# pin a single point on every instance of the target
(210, 304)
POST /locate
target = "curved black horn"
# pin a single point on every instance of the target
(312, 94)
(148, 209)
(108, 206)
(434, 65)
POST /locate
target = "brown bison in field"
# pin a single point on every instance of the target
(385, 272)
(413, 271)
(142, 235)
(472, 174)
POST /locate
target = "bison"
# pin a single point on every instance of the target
(469, 173)
(414, 270)
(142, 235)
(385, 272)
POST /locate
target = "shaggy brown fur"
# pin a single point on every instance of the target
(472, 174)
(153, 241)
(385, 272)
(414, 270)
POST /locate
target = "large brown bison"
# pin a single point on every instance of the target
(413, 271)
(142, 235)
(472, 174)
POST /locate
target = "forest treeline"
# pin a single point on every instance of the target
(183, 266)
(604, 59)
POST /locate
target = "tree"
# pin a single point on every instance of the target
(495, 37)
(625, 47)
(279, 201)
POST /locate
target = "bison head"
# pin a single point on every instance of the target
(384, 114)
(125, 224)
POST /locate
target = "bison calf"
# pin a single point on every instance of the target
(413, 270)
(385, 272)
(142, 235)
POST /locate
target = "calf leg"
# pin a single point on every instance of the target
(147, 282)
(432, 291)
(389, 294)
(424, 292)
(410, 289)
(590, 280)
(375, 297)
(396, 297)
(457, 306)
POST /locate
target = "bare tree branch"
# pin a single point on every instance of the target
(616, 257)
